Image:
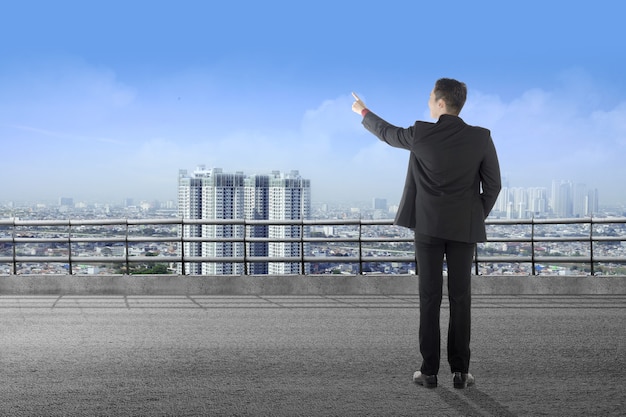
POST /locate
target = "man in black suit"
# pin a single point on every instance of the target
(452, 183)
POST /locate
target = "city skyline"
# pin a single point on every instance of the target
(100, 105)
(562, 199)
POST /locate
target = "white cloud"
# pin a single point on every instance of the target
(561, 133)
(611, 124)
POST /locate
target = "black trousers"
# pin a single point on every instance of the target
(459, 255)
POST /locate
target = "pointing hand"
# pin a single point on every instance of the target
(358, 106)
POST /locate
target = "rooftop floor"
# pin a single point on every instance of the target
(348, 355)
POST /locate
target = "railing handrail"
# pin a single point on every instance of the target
(353, 221)
(174, 220)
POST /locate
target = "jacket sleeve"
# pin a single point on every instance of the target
(395, 136)
(490, 178)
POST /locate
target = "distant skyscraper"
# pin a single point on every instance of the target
(66, 201)
(213, 194)
(537, 200)
(562, 199)
(592, 206)
(379, 204)
(522, 203)
(502, 203)
(579, 200)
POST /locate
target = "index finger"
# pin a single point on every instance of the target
(356, 97)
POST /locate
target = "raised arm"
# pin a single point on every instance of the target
(395, 136)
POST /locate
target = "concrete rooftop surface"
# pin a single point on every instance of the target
(280, 355)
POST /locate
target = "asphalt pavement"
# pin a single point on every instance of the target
(304, 356)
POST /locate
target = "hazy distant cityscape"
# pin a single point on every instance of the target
(214, 194)
(563, 199)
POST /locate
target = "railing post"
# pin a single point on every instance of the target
(415, 256)
(182, 246)
(360, 247)
(69, 249)
(14, 249)
(127, 249)
(245, 248)
(475, 258)
(302, 269)
(532, 245)
(591, 269)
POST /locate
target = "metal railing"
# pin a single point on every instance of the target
(73, 242)
(587, 231)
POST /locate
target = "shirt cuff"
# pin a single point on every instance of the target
(364, 112)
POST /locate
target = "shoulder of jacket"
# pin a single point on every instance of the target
(483, 129)
(423, 125)
(479, 130)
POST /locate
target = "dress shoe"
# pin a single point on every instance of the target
(461, 380)
(428, 381)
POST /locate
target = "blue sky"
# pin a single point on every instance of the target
(104, 100)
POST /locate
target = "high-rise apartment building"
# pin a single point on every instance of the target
(223, 199)
(215, 195)
(289, 199)
(190, 207)
(257, 189)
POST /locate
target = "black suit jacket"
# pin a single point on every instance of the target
(453, 178)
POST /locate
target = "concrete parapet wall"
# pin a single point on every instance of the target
(296, 285)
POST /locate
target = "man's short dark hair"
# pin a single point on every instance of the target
(453, 92)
